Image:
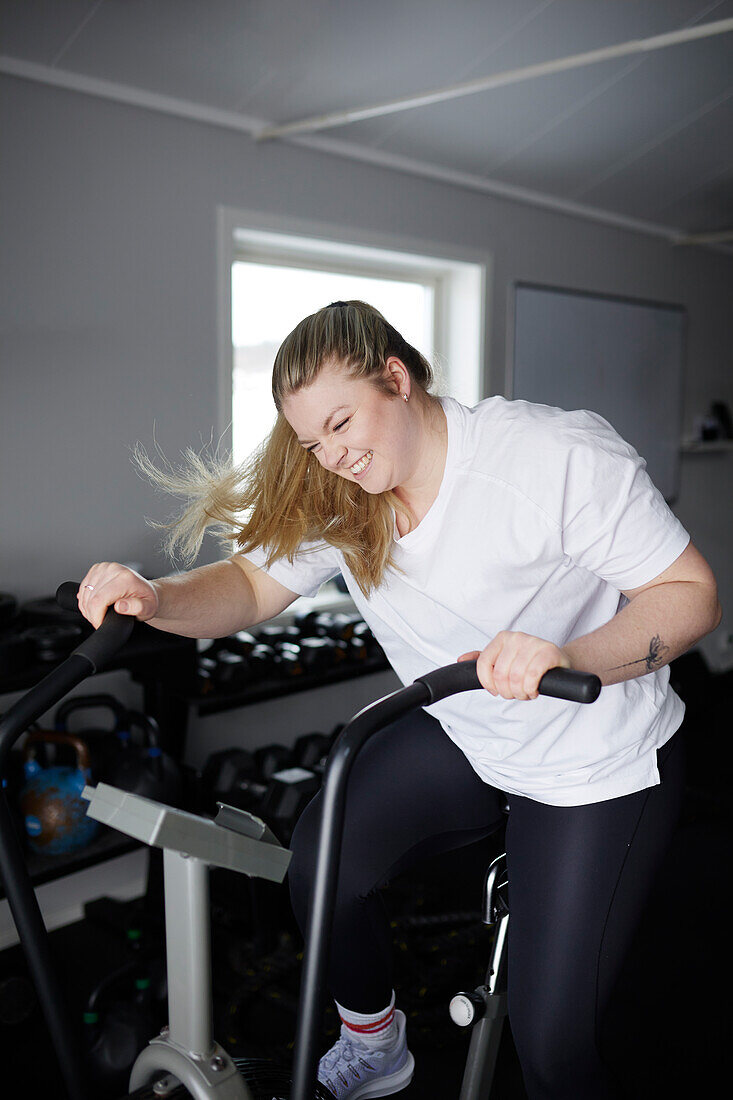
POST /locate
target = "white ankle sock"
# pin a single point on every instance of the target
(377, 1030)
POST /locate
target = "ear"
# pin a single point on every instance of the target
(397, 373)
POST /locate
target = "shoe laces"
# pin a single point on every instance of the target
(345, 1049)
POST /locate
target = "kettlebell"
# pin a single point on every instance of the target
(54, 813)
(101, 742)
(116, 1030)
(145, 769)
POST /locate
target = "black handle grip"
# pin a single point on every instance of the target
(66, 596)
(105, 641)
(561, 683)
(567, 683)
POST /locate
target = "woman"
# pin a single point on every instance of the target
(521, 535)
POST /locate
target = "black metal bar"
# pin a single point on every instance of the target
(318, 937)
(17, 882)
(86, 659)
(34, 937)
(19, 889)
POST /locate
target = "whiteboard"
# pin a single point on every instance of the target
(619, 357)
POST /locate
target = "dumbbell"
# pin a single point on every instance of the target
(272, 758)
(223, 669)
(231, 775)
(306, 753)
(342, 626)
(53, 641)
(313, 624)
(288, 793)
(362, 636)
(322, 654)
(310, 656)
(338, 626)
(349, 629)
(244, 778)
(267, 783)
(306, 623)
(242, 642)
(228, 772)
(272, 634)
(311, 749)
(288, 658)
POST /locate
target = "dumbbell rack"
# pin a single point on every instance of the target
(271, 688)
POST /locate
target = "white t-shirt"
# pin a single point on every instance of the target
(542, 518)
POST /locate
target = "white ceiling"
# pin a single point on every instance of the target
(646, 137)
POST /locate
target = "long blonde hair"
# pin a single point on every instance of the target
(281, 496)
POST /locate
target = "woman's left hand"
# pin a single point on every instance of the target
(513, 664)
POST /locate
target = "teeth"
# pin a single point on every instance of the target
(362, 463)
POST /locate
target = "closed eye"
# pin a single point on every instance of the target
(338, 428)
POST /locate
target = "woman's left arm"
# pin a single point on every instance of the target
(663, 619)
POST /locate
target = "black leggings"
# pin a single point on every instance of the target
(579, 877)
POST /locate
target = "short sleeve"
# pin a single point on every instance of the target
(312, 566)
(615, 522)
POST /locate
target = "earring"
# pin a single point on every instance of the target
(405, 397)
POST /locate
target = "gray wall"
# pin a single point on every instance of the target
(108, 315)
(109, 312)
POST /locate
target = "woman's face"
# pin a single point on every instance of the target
(353, 429)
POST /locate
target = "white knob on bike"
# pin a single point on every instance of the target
(466, 1008)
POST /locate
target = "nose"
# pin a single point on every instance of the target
(334, 454)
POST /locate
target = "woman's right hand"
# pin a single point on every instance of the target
(109, 584)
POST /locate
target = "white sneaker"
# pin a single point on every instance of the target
(351, 1069)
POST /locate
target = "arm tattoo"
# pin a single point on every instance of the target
(654, 659)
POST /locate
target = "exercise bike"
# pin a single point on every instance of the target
(185, 1055)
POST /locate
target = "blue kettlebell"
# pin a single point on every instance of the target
(54, 813)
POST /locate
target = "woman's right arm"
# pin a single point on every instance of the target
(212, 601)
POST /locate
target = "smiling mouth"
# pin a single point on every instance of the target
(361, 465)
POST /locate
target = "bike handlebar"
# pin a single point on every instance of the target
(114, 631)
(560, 683)
(88, 657)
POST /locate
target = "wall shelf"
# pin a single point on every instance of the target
(706, 446)
(43, 869)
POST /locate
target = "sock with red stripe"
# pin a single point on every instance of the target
(377, 1030)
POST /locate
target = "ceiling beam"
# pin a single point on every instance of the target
(379, 158)
(498, 80)
(126, 93)
(719, 237)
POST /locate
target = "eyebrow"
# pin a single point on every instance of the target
(326, 422)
